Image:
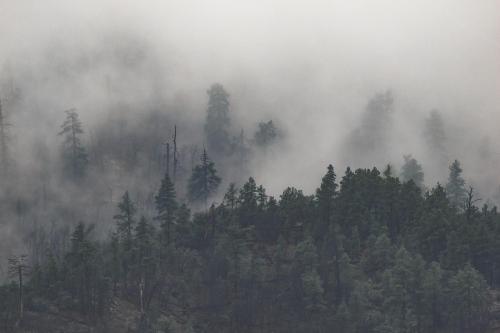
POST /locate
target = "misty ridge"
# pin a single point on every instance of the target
(113, 105)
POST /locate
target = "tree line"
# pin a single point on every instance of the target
(372, 252)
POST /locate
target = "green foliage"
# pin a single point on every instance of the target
(266, 134)
(455, 188)
(218, 123)
(73, 152)
(469, 301)
(166, 206)
(372, 255)
(412, 170)
(204, 181)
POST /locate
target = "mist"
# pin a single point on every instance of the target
(310, 67)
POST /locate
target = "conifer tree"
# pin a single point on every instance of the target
(81, 261)
(326, 193)
(74, 153)
(17, 269)
(248, 194)
(469, 301)
(231, 196)
(247, 201)
(144, 263)
(204, 181)
(412, 170)
(144, 240)
(125, 218)
(455, 188)
(435, 136)
(266, 134)
(125, 223)
(261, 197)
(218, 123)
(325, 196)
(166, 206)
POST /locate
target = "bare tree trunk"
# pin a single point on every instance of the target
(21, 301)
(168, 159)
(175, 153)
(141, 294)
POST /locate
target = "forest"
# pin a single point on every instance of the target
(264, 166)
(369, 251)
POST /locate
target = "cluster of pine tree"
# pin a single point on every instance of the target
(370, 253)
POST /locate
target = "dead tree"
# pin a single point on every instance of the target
(175, 152)
(469, 204)
(17, 269)
(167, 158)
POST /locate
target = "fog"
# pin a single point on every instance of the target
(310, 66)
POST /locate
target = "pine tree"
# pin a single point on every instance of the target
(261, 197)
(247, 201)
(144, 263)
(436, 137)
(412, 170)
(432, 227)
(266, 134)
(248, 193)
(327, 193)
(125, 218)
(231, 196)
(325, 196)
(144, 241)
(433, 296)
(125, 223)
(82, 269)
(469, 301)
(74, 153)
(218, 123)
(204, 181)
(370, 139)
(455, 188)
(17, 269)
(166, 206)
(183, 226)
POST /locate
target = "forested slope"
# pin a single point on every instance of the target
(368, 253)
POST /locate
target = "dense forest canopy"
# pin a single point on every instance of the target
(281, 166)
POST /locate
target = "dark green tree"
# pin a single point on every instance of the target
(218, 123)
(412, 170)
(166, 206)
(74, 154)
(231, 196)
(204, 181)
(469, 302)
(266, 134)
(125, 220)
(435, 136)
(325, 196)
(455, 188)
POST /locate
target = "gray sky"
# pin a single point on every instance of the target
(311, 65)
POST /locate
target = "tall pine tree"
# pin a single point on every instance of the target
(74, 153)
(218, 123)
(412, 170)
(455, 188)
(204, 181)
(166, 206)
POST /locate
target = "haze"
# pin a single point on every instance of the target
(310, 66)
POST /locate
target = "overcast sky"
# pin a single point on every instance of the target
(311, 65)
